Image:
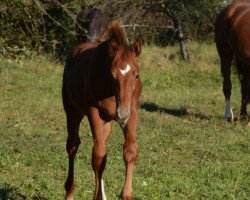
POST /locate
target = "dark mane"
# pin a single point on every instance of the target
(124, 52)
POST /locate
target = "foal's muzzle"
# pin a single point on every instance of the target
(122, 117)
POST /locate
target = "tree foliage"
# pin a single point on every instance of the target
(197, 16)
(49, 25)
(42, 25)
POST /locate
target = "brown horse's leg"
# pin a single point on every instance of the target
(226, 60)
(100, 132)
(73, 141)
(130, 152)
(245, 91)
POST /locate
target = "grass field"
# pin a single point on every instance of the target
(186, 150)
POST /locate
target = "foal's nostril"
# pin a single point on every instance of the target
(122, 118)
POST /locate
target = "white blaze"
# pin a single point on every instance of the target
(126, 70)
(228, 112)
(103, 192)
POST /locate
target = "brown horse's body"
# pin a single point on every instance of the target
(232, 35)
(101, 81)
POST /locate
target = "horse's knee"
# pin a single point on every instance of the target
(99, 157)
(72, 145)
(130, 152)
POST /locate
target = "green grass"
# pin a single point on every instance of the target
(186, 150)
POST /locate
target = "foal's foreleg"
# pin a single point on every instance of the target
(101, 132)
(73, 141)
(130, 152)
(99, 157)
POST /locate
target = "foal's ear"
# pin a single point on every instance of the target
(137, 47)
(113, 48)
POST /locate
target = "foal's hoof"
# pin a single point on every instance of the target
(69, 197)
(248, 124)
(69, 187)
(127, 198)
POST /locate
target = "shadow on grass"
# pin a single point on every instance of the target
(152, 107)
(177, 112)
(134, 198)
(8, 192)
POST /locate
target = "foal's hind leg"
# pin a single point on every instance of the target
(226, 60)
(73, 141)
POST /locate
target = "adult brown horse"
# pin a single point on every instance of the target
(101, 81)
(232, 35)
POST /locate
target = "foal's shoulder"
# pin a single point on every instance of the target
(76, 53)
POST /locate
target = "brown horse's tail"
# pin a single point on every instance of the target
(117, 32)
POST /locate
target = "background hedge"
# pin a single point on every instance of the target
(48, 25)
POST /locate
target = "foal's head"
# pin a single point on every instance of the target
(124, 70)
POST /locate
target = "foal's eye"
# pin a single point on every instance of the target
(137, 76)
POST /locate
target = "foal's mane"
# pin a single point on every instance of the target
(117, 33)
(123, 47)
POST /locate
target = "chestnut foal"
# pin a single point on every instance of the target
(101, 81)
